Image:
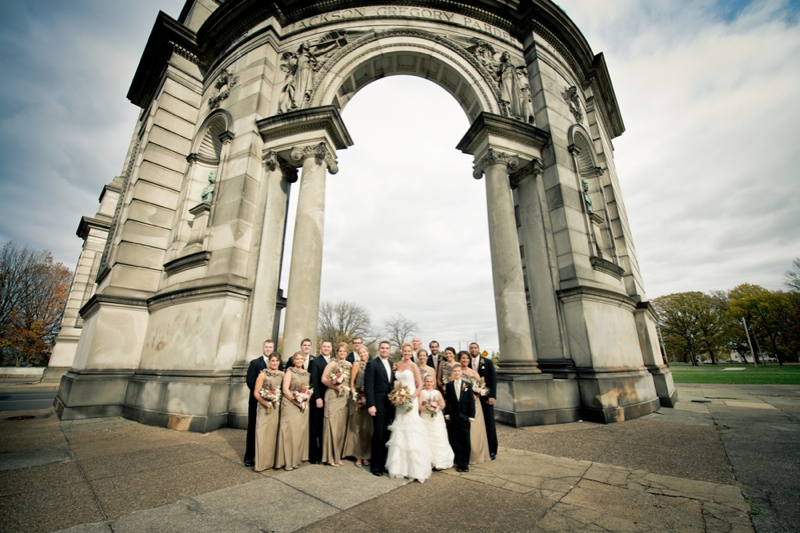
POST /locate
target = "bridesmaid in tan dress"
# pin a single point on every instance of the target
(334, 427)
(293, 433)
(358, 442)
(269, 414)
(446, 366)
(424, 369)
(478, 441)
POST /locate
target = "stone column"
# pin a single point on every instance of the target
(516, 347)
(302, 308)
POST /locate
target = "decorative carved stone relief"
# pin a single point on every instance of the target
(320, 151)
(511, 81)
(493, 157)
(222, 89)
(301, 65)
(208, 191)
(571, 97)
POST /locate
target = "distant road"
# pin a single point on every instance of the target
(26, 400)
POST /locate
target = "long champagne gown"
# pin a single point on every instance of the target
(358, 442)
(267, 424)
(334, 427)
(293, 433)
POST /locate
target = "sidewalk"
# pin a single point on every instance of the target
(669, 471)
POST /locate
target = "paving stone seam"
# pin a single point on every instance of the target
(86, 479)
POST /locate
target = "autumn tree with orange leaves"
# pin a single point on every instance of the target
(33, 293)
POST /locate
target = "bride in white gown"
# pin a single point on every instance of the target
(409, 453)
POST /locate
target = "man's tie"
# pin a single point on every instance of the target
(457, 385)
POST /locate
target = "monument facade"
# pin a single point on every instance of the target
(178, 282)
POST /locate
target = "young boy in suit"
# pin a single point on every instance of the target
(460, 411)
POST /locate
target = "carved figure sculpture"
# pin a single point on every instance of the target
(300, 67)
(586, 197)
(510, 92)
(208, 190)
(527, 102)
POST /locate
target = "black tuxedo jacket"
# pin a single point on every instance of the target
(290, 361)
(256, 366)
(487, 372)
(462, 407)
(377, 385)
(351, 357)
(316, 367)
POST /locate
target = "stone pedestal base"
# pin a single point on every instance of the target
(53, 374)
(665, 386)
(240, 395)
(616, 396)
(182, 400)
(91, 394)
(536, 399)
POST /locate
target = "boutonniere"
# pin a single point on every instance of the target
(463, 387)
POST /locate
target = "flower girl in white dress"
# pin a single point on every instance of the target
(431, 407)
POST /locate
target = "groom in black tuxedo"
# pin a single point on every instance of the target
(378, 383)
(459, 403)
(316, 415)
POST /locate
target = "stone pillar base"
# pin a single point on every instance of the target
(91, 394)
(615, 396)
(665, 386)
(53, 374)
(536, 399)
(183, 400)
(239, 396)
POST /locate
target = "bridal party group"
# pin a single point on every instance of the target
(428, 411)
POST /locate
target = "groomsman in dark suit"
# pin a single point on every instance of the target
(256, 366)
(378, 383)
(485, 368)
(460, 411)
(357, 343)
(305, 347)
(317, 411)
(433, 355)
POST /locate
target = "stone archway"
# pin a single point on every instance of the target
(176, 317)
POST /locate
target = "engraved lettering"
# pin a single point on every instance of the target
(414, 12)
(360, 12)
(393, 11)
(382, 11)
(435, 15)
(449, 16)
(336, 16)
(402, 11)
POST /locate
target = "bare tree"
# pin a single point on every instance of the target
(343, 321)
(792, 277)
(33, 293)
(398, 328)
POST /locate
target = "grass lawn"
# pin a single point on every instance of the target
(771, 374)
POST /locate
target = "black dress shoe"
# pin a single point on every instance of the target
(493, 456)
(377, 473)
(465, 469)
(459, 469)
(249, 464)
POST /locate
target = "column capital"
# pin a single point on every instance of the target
(532, 169)
(319, 151)
(273, 161)
(494, 157)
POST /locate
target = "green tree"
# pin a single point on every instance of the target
(694, 321)
(774, 316)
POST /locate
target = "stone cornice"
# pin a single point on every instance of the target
(98, 300)
(198, 293)
(88, 223)
(603, 265)
(509, 128)
(596, 294)
(185, 263)
(323, 118)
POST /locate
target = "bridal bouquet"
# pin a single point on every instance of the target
(339, 376)
(401, 397)
(271, 395)
(303, 395)
(432, 407)
(479, 387)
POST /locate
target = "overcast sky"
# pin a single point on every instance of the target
(708, 163)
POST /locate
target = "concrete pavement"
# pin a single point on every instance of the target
(699, 467)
